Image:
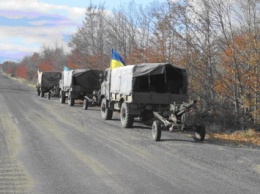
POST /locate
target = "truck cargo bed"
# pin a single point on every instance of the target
(158, 98)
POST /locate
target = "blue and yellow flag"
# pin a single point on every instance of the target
(38, 71)
(116, 60)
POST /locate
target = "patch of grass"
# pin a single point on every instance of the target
(245, 136)
(23, 81)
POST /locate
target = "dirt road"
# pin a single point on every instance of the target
(48, 147)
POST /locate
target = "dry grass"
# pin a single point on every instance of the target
(246, 136)
(23, 81)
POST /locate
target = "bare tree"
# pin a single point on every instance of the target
(55, 57)
(90, 39)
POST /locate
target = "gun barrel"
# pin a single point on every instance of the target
(185, 107)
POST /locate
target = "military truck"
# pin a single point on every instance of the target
(79, 84)
(141, 89)
(48, 82)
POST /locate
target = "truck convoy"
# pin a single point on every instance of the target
(79, 84)
(48, 82)
(150, 91)
(146, 91)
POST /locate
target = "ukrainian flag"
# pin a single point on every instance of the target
(38, 71)
(116, 60)
(66, 68)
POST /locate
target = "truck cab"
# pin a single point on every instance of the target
(105, 85)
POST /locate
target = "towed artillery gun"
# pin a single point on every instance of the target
(93, 99)
(180, 117)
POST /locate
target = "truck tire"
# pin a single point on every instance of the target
(62, 97)
(42, 94)
(105, 112)
(126, 119)
(49, 95)
(199, 133)
(71, 101)
(85, 104)
(156, 130)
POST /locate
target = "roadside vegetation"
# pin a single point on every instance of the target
(249, 136)
(217, 41)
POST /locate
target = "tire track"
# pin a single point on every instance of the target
(13, 177)
(54, 128)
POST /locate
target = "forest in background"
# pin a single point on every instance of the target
(217, 41)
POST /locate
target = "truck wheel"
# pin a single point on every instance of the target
(199, 133)
(85, 104)
(62, 97)
(49, 95)
(105, 112)
(156, 131)
(58, 93)
(127, 120)
(42, 94)
(71, 101)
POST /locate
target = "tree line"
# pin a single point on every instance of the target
(217, 41)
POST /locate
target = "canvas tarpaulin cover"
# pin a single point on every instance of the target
(47, 80)
(123, 78)
(152, 69)
(87, 78)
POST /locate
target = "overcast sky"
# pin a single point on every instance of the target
(26, 25)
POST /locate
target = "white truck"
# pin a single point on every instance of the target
(142, 89)
(79, 84)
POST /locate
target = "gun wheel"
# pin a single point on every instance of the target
(85, 104)
(49, 95)
(42, 94)
(156, 131)
(199, 133)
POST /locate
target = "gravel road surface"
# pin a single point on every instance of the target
(49, 147)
